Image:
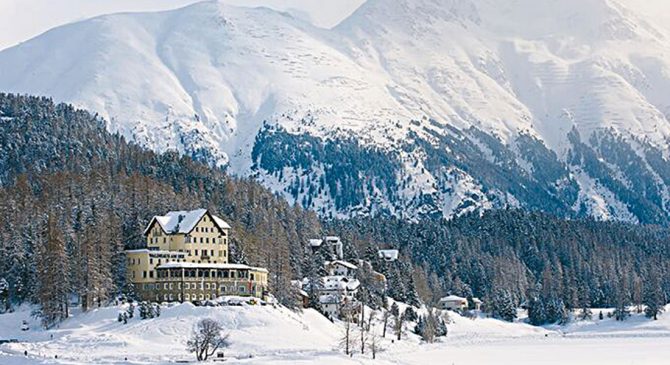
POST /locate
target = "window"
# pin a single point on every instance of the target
(211, 252)
(170, 286)
(187, 297)
(223, 288)
(206, 239)
(165, 286)
(187, 286)
(196, 252)
(200, 239)
(133, 274)
(165, 297)
(213, 285)
(207, 286)
(202, 297)
(144, 274)
(151, 274)
(170, 297)
(241, 289)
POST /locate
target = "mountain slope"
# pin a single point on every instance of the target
(408, 108)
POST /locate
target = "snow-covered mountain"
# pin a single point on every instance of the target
(407, 107)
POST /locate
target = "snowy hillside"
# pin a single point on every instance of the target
(410, 108)
(264, 335)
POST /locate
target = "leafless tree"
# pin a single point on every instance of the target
(365, 331)
(206, 339)
(348, 330)
(386, 315)
(399, 325)
(374, 341)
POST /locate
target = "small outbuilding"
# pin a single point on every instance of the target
(454, 303)
(388, 255)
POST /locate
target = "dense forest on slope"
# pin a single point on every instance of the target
(76, 195)
(66, 179)
(576, 261)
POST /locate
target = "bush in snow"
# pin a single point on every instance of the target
(149, 310)
(130, 312)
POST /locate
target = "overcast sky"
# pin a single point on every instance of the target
(21, 20)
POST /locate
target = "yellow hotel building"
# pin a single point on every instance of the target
(186, 259)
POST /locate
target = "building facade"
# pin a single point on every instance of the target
(186, 259)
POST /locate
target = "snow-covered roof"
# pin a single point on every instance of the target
(183, 221)
(344, 263)
(338, 282)
(453, 298)
(193, 265)
(220, 222)
(315, 242)
(388, 254)
(332, 238)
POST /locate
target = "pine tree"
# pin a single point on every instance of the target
(314, 271)
(53, 275)
(4, 296)
(622, 299)
(654, 300)
(537, 315)
(502, 305)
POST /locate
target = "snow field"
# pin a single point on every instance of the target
(266, 335)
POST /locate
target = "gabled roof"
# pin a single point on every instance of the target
(453, 298)
(315, 242)
(344, 263)
(182, 221)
